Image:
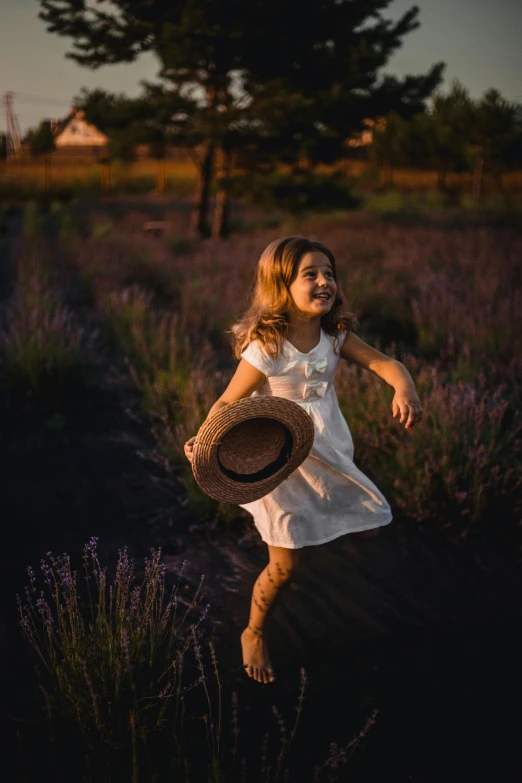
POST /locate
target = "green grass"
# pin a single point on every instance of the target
(396, 202)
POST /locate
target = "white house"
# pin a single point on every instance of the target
(75, 131)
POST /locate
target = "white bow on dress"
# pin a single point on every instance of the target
(319, 365)
(315, 389)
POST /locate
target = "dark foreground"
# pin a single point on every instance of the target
(420, 630)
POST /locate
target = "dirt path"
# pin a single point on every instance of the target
(408, 624)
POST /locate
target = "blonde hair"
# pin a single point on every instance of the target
(266, 318)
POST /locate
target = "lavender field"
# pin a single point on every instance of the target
(445, 301)
(86, 292)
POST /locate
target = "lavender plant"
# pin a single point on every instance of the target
(446, 302)
(459, 468)
(111, 656)
(42, 346)
(33, 220)
(339, 756)
(174, 376)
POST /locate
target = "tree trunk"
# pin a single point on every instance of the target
(48, 172)
(161, 176)
(388, 175)
(105, 178)
(198, 218)
(478, 176)
(220, 218)
(441, 182)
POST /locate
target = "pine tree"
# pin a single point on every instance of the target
(284, 75)
(496, 138)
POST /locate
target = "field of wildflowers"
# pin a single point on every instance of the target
(444, 300)
(116, 661)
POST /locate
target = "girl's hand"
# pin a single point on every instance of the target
(406, 403)
(189, 448)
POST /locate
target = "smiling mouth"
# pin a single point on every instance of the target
(323, 297)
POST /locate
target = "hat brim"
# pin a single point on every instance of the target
(225, 485)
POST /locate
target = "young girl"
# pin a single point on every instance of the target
(289, 342)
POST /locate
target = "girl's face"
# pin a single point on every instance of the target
(313, 289)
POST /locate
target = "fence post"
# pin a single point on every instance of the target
(48, 179)
(105, 177)
(161, 175)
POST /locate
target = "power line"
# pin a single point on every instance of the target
(23, 97)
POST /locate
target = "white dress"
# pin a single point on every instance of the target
(327, 496)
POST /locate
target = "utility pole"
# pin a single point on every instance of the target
(13, 143)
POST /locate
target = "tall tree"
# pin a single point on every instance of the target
(236, 60)
(450, 120)
(495, 136)
(321, 80)
(390, 144)
(40, 139)
(438, 138)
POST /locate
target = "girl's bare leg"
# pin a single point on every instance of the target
(278, 573)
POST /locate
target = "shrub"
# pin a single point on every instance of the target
(459, 468)
(111, 659)
(110, 656)
(33, 220)
(120, 647)
(44, 349)
(101, 229)
(300, 191)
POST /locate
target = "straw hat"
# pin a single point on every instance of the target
(249, 447)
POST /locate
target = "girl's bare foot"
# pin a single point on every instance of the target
(255, 656)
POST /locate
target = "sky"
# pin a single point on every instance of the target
(479, 40)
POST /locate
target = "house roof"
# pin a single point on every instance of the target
(75, 131)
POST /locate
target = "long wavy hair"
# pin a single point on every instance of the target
(266, 318)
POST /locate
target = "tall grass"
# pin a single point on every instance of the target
(27, 177)
(43, 349)
(174, 376)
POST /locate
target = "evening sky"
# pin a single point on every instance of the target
(479, 40)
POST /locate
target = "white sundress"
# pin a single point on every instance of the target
(327, 495)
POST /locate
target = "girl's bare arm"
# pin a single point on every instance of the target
(406, 402)
(244, 382)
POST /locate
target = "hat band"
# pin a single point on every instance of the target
(268, 470)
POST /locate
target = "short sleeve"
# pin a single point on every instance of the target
(257, 356)
(341, 337)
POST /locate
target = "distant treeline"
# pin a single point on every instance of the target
(457, 134)
(266, 94)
